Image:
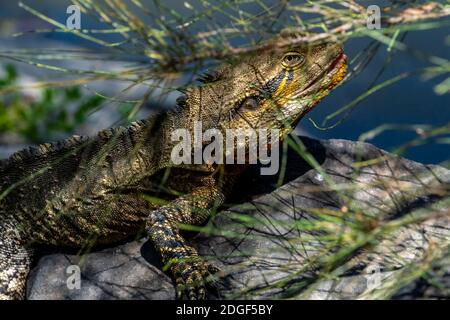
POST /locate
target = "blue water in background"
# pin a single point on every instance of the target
(410, 101)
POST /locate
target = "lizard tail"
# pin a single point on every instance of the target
(15, 262)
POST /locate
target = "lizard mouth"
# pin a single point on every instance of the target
(329, 78)
(338, 69)
(319, 87)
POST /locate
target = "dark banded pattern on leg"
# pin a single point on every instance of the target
(189, 270)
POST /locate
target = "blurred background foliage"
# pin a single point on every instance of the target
(136, 53)
(39, 120)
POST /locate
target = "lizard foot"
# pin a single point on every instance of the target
(192, 274)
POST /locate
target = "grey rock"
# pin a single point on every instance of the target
(115, 273)
(278, 241)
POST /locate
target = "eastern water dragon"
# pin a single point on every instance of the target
(83, 192)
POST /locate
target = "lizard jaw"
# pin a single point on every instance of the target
(332, 76)
(317, 89)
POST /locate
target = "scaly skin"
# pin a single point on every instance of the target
(84, 192)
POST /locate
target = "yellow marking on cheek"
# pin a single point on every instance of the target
(280, 88)
(286, 90)
(292, 87)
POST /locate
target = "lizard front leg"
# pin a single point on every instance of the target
(189, 270)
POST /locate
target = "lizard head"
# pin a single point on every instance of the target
(272, 88)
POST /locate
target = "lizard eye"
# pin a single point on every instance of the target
(292, 59)
(249, 104)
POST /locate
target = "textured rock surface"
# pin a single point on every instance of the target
(291, 232)
(117, 273)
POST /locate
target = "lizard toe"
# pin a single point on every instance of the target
(191, 281)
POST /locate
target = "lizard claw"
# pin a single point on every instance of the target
(191, 278)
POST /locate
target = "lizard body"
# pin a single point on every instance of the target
(83, 192)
